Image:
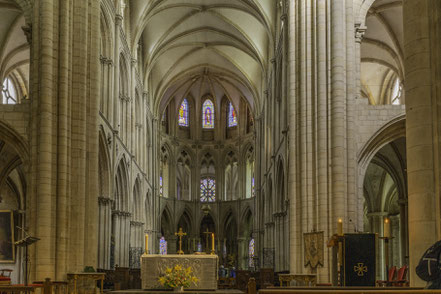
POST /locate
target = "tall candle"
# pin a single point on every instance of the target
(146, 243)
(340, 227)
(212, 241)
(386, 228)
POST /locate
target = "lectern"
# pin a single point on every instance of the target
(25, 242)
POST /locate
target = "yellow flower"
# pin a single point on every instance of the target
(168, 270)
(178, 267)
(162, 280)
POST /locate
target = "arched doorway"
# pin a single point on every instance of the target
(207, 227)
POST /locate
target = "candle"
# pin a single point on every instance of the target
(340, 227)
(146, 243)
(212, 241)
(386, 228)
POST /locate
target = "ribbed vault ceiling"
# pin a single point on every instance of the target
(382, 49)
(199, 47)
(14, 49)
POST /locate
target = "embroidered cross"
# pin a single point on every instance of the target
(360, 269)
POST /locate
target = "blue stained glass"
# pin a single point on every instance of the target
(251, 253)
(160, 186)
(232, 117)
(208, 114)
(208, 190)
(253, 188)
(162, 246)
(199, 247)
(183, 114)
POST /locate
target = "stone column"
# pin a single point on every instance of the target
(116, 99)
(376, 220)
(422, 51)
(242, 253)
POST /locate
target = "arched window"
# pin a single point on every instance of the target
(208, 189)
(162, 246)
(161, 186)
(183, 114)
(251, 253)
(208, 114)
(9, 92)
(396, 92)
(253, 188)
(232, 117)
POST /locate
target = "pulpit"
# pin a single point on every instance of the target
(204, 268)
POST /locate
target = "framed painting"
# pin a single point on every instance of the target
(7, 247)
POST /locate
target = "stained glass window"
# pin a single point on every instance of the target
(251, 253)
(161, 185)
(208, 114)
(208, 190)
(253, 188)
(232, 117)
(199, 247)
(9, 93)
(162, 246)
(183, 114)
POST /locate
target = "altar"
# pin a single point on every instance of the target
(204, 268)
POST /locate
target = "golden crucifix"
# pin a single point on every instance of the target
(207, 235)
(180, 233)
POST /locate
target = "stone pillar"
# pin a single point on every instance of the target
(104, 231)
(242, 253)
(116, 90)
(422, 50)
(376, 220)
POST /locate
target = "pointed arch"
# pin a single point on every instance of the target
(122, 186)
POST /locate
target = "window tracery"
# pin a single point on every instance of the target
(9, 92)
(208, 189)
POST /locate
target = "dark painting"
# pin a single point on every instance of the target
(359, 260)
(7, 248)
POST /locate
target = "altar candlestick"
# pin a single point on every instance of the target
(212, 241)
(386, 228)
(340, 227)
(146, 243)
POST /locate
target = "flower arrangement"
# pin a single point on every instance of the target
(177, 277)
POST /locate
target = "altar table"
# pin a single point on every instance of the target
(204, 268)
(303, 279)
(86, 276)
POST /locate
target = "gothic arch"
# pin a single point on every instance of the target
(12, 137)
(122, 187)
(166, 222)
(281, 186)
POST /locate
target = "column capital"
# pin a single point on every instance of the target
(359, 32)
(118, 19)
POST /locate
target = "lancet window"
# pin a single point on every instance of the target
(183, 114)
(208, 114)
(232, 117)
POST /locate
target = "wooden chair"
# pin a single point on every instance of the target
(5, 276)
(390, 278)
(401, 280)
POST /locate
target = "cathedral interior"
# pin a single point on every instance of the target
(260, 121)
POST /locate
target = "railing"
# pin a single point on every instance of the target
(46, 287)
